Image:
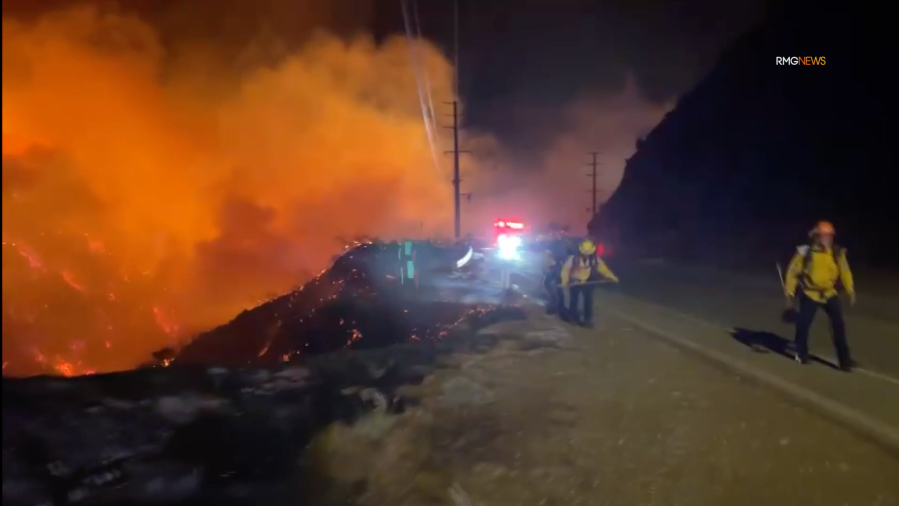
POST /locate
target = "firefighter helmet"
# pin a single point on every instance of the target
(586, 247)
(823, 228)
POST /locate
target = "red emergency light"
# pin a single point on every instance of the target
(517, 225)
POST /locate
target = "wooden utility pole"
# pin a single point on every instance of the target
(592, 174)
(456, 180)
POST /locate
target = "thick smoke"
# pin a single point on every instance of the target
(555, 187)
(147, 195)
(152, 188)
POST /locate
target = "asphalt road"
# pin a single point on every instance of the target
(754, 307)
(751, 304)
(734, 320)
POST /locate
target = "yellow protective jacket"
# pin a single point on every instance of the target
(818, 275)
(577, 269)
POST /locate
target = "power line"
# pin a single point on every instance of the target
(592, 174)
(424, 92)
(420, 38)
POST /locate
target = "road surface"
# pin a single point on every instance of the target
(735, 322)
(754, 306)
(750, 306)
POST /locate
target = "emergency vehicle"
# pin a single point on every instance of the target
(508, 238)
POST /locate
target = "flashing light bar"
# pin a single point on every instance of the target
(510, 224)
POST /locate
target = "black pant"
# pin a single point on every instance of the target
(555, 297)
(578, 291)
(834, 310)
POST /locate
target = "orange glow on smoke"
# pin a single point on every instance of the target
(69, 278)
(145, 200)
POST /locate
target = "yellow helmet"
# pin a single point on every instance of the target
(822, 228)
(586, 247)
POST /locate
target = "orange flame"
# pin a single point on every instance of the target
(201, 193)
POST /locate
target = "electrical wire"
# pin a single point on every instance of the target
(417, 26)
(427, 110)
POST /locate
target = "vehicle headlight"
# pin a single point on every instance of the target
(508, 246)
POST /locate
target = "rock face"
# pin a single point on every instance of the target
(756, 153)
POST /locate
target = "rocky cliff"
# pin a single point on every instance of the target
(757, 152)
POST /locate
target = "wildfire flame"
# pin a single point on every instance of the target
(138, 211)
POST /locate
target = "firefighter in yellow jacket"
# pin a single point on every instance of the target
(812, 278)
(579, 272)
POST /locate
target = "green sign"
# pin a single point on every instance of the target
(407, 256)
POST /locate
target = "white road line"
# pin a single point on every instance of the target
(883, 432)
(874, 374)
(731, 330)
(880, 376)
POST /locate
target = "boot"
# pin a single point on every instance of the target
(848, 365)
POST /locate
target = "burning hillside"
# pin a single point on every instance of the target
(151, 192)
(360, 302)
(61, 321)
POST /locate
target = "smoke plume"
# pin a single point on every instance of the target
(155, 185)
(147, 195)
(554, 186)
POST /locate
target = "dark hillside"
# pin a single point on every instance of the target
(757, 152)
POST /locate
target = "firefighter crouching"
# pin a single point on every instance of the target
(552, 277)
(580, 272)
(815, 270)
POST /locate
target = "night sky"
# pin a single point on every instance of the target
(518, 60)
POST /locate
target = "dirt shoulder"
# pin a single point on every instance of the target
(556, 415)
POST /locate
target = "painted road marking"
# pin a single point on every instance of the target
(730, 330)
(883, 432)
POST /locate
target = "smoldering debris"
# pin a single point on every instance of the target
(363, 301)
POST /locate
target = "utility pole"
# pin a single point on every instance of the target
(592, 174)
(457, 195)
(456, 180)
